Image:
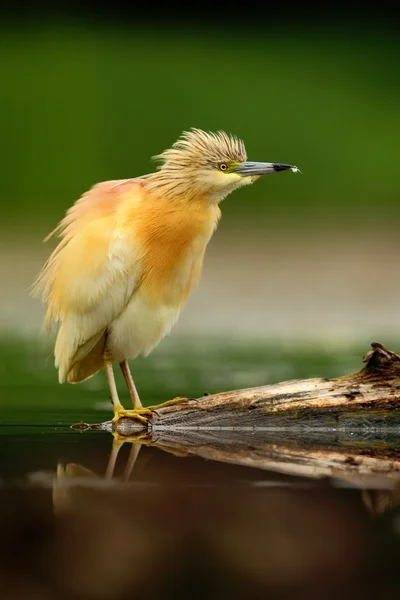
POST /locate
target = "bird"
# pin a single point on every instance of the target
(130, 252)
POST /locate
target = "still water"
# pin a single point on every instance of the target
(94, 515)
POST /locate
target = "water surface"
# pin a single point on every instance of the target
(92, 515)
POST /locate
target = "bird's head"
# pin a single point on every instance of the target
(212, 164)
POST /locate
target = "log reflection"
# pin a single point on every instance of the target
(151, 523)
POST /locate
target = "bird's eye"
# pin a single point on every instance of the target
(223, 167)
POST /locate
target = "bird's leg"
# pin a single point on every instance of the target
(112, 385)
(133, 454)
(116, 447)
(118, 441)
(119, 410)
(134, 393)
(138, 411)
(130, 384)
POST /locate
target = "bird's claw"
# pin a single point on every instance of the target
(177, 400)
(142, 414)
(137, 414)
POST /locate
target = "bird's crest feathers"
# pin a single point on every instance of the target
(197, 148)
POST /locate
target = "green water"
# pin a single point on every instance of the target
(36, 412)
(31, 395)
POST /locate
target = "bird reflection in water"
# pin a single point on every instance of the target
(166, 526)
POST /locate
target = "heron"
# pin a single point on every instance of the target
(129, 254)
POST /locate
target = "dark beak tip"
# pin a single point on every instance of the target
(281, 167)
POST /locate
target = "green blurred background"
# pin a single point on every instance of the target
(298, 260)
(84, 103)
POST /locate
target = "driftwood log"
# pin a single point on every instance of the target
(367, 400)
(347, 428)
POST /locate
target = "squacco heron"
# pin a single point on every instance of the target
(131, 251)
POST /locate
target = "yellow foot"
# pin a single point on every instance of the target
(135, 413)
(135, 438)
(170, 403)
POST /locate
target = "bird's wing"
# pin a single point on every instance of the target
(91, 275)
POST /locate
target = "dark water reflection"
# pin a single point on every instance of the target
(162, 525)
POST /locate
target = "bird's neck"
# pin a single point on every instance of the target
(177, 187)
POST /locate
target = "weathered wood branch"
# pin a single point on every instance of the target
(360, 460)
(346, 428)
(368, 399)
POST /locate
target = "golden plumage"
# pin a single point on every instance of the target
(131, 251)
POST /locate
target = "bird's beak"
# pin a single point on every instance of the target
(260, 168)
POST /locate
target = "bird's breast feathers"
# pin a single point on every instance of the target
(170, 241)
(165, 246)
